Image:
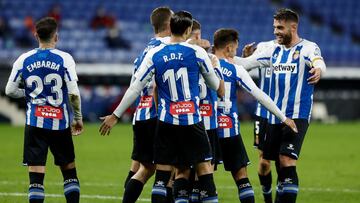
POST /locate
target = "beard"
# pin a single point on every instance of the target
(284, 39)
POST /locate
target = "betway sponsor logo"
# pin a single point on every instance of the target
(285, 68)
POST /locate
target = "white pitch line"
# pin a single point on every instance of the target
(103, 197)
(226, 187)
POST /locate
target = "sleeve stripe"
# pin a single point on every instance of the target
(307, 58)
(203, 64)
(16, 76)
(68, 74)
(147, 72)
(263, 58)
(244, 85)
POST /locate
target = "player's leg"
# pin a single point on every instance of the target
(194, 180)
(160, 191)
(278, 185)
(134, 167)
(34, 156)
(62, 147)
(136, 183)
(264, 170)
(71, 183)
(206, 182)
(181, 184)
(143, 151)
(36, 187)
(245, 190)
(235, 160)
(194, 187)
(288, 155)
(164, 153)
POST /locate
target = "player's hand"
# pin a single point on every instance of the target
(108, 122)
(77, 127)
(204, 44)
(248, 50)
(289, 122)
(201, 43)
(316, 75)
(214, 60)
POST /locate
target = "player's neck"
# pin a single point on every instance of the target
(295, 40)
(177, 39)
(49, 45)
(162, 34)
(220, 55)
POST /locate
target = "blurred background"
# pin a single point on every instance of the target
(105, 37)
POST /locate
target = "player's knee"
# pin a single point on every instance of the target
(68, 166)
(286, 161)
(239, 174)
(204, 168)
(264, 165)
(182, 172)
(37, 169)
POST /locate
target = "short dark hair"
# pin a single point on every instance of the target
(287, 15)
(159, 18)
(196, 25)
(224, 36)
(179, 22)
(46, 28)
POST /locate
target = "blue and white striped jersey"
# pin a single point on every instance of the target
(145, 103)
(177, 68)
(208, 105)
(264, 78)
(228, 122)
(45, 73)
(290, 68)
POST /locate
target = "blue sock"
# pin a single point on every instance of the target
(290, 184)
(159, 191)
(245, 190)
(181, 190)
(207, 189)
(36, 187)
(71, 186)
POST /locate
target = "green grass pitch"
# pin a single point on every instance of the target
(328, 168)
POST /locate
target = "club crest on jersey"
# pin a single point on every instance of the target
(285, 68)
(296, 55)
(184, 107)
(48, 112)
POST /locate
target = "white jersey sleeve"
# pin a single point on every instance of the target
(260, 58)
(249, 85)
(69, 64)
(206, 68)
(142, 77)
(12, 87)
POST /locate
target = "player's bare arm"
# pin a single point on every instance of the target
(77, 126)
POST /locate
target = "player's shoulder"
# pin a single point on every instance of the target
(308, 44)
(198, 50)
(266, 44)
(25, 55)
(155, 50)
(165, 40)
(62, 54)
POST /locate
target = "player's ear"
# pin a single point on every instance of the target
(293, 26)
(56, 37)
(36, 37)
